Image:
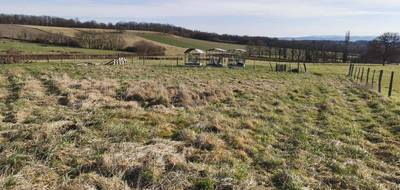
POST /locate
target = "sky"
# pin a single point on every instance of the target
(274, 18)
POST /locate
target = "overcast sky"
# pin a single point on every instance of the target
(280, 18)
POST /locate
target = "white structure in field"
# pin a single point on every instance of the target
(119, 61)
(237, 57)
(194, 57)
(216, 57)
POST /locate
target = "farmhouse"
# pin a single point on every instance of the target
(194, 57)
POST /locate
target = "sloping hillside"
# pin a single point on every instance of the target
(18, 31)
(187, 42)
(21, 47)
(175, 45)
(130, 37)
(71, 32)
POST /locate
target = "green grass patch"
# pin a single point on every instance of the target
(21, 47)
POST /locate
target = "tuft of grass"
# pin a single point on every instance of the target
(204, 184)
(287, 180)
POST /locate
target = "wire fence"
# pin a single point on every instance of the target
(372, 78)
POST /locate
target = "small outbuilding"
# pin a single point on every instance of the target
(194, 57)
(216, 57)
(237, 58)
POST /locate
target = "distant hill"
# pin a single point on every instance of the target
(331, 38)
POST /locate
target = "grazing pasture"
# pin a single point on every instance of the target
(161, 126)
(175, 45)
(8, 46)
(187, 42)
(387, 70)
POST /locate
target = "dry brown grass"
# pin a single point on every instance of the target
(151, 93)
(155, 127)
(3, 88)
(94, 181)
(208, 141)
(36, 176)
(33, 89)
(17, 31)
(87, 93)
(70, 32)
(145, 166)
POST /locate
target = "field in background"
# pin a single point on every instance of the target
(175, 45)
(187, 42)
(20, 47)
(343, 69)
(156, 125)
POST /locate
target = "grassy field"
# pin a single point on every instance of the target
(158, 126)
(175, 45)
(7, 45)
(343, 70)
(187, 42)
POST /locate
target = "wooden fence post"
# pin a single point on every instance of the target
(349, 74)
(351, 70)
(362, 75)
(177, 61)
(368, 70)
(380, 81)
(298, 67)
(373, 79)
(272, 68)
(358, 73)
(391, 84)
(355, 73)
(305, 67)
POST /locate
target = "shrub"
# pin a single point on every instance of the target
(146, 48)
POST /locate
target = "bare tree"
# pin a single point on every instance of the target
(97, 40)
(346, 48)
(389, 42)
